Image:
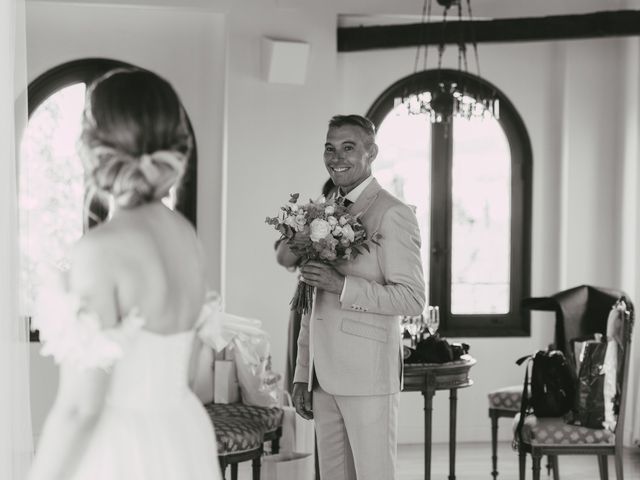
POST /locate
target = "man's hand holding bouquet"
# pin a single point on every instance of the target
(319, 231)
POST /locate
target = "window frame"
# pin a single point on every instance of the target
(517, 321)
(86, 70)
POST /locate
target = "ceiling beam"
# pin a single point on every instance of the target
(557, 27)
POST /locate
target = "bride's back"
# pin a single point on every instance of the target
(136, 145)
(156, 265)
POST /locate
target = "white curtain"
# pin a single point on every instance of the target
(15, 415)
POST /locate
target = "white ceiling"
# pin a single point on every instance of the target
(387, 12)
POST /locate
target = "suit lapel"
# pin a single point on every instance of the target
(365, 199)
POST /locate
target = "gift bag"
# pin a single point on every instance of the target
(600, 386)
(259, 386)
(287, 466)
(248, 346)
(298, 434)
(589, 407)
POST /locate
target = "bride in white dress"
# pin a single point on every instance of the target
(123, 322)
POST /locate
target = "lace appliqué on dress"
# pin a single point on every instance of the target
(73, 335)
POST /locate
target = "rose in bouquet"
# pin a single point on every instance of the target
(323, 230)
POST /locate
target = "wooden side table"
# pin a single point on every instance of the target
(428, 378)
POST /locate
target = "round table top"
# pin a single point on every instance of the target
(438, 376)
(465, 361)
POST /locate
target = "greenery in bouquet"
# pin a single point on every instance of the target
(325, 231)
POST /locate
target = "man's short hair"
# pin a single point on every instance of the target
(356, 120)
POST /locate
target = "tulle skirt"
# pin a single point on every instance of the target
(176, 443)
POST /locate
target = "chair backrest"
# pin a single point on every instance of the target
(580, 311)
(627, 331)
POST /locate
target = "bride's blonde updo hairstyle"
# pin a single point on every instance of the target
(135, 140)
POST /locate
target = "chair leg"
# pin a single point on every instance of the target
(619, 469)
(255, 468)
(553, 459)
(494, 445)
(234, 471)
(536, 461)
(223, 468)
(603, 466)
(522, 459)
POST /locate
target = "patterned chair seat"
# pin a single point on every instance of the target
(236, 435)
(507, 398)
(269, 417)
(555, 431)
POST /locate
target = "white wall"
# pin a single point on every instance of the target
(187, 47)
(265, 141)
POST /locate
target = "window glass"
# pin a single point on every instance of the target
(51, 188)
(403, 167)
(481, 218)
(470, 181)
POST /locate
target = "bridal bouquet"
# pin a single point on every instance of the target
(324, 231)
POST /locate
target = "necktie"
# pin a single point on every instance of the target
(345, 201)
(341, 198)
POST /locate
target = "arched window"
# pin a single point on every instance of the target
(470, 181)
(51, 177)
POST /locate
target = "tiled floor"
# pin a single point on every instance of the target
(474, 463)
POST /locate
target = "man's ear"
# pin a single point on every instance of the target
(373, 152)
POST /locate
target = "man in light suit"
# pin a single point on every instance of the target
(349, 366)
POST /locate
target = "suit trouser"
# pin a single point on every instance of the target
(356, 435)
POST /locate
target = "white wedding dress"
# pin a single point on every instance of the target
(152, 426)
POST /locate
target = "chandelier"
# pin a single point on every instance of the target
(451, 97)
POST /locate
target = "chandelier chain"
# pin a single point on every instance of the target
(474, 41)
(462, 48)
(422, 37)
(442, 44)
(426, 48)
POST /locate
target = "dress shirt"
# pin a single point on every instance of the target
(353, 196)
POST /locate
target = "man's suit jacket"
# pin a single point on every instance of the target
(354, 345)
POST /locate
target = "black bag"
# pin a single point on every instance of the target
(552, 390)
(590, 404)
(553, 384)
(435, 349)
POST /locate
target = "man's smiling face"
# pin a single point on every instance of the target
(348, 154)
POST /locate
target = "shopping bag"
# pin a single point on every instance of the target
(287, 466)
(599, 388)
(225, 384)
(589, 408)
(259, 385)
(298, 434)
(249, 347)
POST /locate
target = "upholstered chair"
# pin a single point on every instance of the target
(580, 311)
(556, 436)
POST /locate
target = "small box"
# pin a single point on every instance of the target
(225, 385)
